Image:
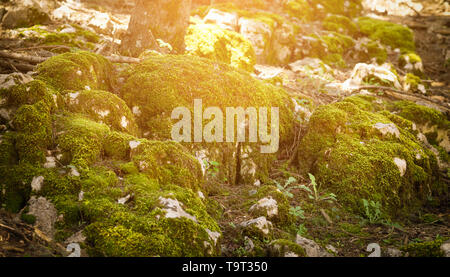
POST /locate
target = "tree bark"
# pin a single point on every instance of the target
(156, 19)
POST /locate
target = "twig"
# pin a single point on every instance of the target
(22, 57)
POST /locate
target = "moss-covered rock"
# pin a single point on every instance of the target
(76, 71)
(369, 50)
(359, 154)
(340, 24)
(212, 42)
(285, 248)
(159, 84)
(388, 33)
(102, 107)
(411, 62)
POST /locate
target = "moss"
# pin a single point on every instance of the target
(284, 219)
(420, 114)
(76, 71)
(351, 158)
(331, 48)
(281, 247)
(412, 81)
(34, 136)
(425, 249)
(140, 228)
(78, 38)
(81, 138)
(162, 83)
(340, 24)
(411, 62)
(372, 50)
(117, 145)
(168, 162)
(103, 107)
(28, 218)
(129, 168)
(391, 34)
(318, 9)
(30, 93)
(299, 9)
(212, 42)
(8, 154)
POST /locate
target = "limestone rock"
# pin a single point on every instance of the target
(311, 247)
(45, 213)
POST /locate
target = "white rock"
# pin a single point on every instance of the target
(45, 213)
(124, 122)
(445, 247)
(393, 252)
(225, 20)
(173, 209)
(311, 247)
(81, 196)
(134, 144)
(124, 200)
(36, 183)
(386, 129)
(214, 236)
(50, 162)
(268, 205)
(362, 70)
(260, 223)
(401, 164)
(200, 194)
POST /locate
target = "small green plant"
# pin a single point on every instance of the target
(286, 188)
(314, 192)
(302, 230)
(372, 211)
(297, 212)
(212, 167)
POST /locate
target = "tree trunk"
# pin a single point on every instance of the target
(157, 19)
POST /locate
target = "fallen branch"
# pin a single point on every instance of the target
(23, 67)
(22, 57)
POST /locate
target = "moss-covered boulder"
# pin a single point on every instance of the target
(76, 71)
(154, 88)
(358, 154)
(212, 42)
(388, 33)
(103, 107)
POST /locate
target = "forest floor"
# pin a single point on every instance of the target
(347, 234)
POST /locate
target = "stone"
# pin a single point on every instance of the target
(266, 206)
(45, 213)
(394, 252)
(173, 209)
(387, 129)
(259, 34)
(27, 14)
(36, 183)
(225, 20)
(445, 247)
(363, 70)
(401, 164)
(259, 225)
(311, 247)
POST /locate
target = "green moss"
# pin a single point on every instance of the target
(391, 34)
(129, 168)
(351, 158)
(284, 219)
(162, 83)
(331, 48)
(412, 81)
(318, 9)
(78, 38)
(30, 93)
(281, 247)
(76, 71)
(34, 136)
(373, 50)
(169, 162)
(28, 218)
(8, 155)
(411, 62)
(82, 139)
(340, 24)
(103, 107)
(117, 145)
(425, 249)
(299, 9)
(420, 114)
(212, 42)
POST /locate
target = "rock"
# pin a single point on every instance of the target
(284, 34)
(27, 14)
(259, 226)
(249, 245)
(311, 247)
(393, 252)
(9, 80)
(401, 164)
(259, 34)
(173, 209)
(36, 183)
(285, 248)
(445, 247)
(387, 129)
(265, 206)
(362, 71)
(78, 237)
(45, 213)
(225, 20)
